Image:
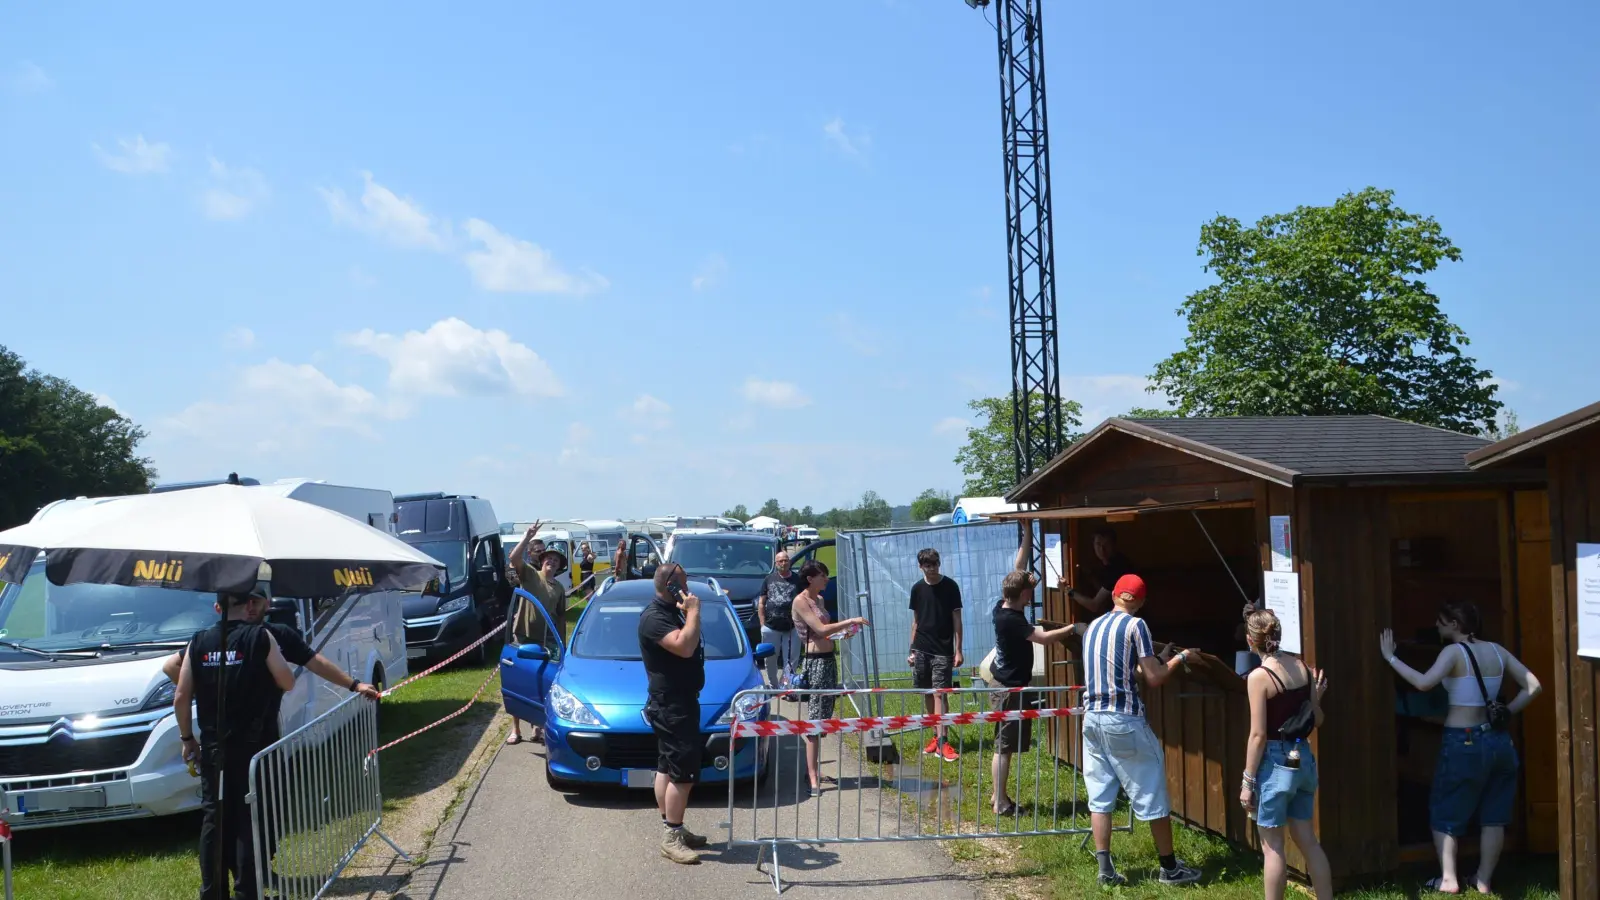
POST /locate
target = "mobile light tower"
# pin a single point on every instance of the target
(1038, 434)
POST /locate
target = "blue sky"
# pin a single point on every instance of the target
(675, 257)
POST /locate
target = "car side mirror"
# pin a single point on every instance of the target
(765, 650)
(533, 651)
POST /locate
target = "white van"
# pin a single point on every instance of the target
(87, 732)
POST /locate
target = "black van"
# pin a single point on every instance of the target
(463, 534)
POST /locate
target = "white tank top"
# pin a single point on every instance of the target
(1464, 691)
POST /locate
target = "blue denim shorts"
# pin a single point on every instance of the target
(1121, 751)
(1283, 793)
(1476, 774)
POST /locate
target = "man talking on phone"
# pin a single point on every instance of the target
(675, 661)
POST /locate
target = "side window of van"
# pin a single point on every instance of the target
(483, 555)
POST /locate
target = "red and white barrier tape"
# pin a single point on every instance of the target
(848, 692)
(468, 705)
(869, 723)
(460, 653)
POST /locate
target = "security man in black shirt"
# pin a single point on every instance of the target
(675, 660)
(246, 661)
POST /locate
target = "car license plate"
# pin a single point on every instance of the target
(52, 801)
(416, 652)
(639, 778)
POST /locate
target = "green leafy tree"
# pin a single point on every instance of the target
(772, 510)
(989, 457)
(872, 512)
(1322, 311)
(806, 515)
(57, 441)
(738, 512)
(1148, 412)
(930, 503)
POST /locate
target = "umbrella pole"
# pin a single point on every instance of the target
(221, 873)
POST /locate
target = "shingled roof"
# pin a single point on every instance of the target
(1292, 450)
(1529, 446)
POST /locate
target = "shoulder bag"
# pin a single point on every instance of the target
(1498, 713)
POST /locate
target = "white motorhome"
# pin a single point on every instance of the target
(87, 732)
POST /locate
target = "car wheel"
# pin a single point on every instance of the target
(479, 657)
(557, 783)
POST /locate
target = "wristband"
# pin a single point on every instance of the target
(354, 683)
(1389, 660)
(186, 740)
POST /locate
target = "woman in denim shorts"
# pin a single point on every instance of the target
(1476, 775)
(1278, 789)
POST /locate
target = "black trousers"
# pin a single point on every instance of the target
(227, 847)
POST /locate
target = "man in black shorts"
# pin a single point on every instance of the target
(935, 642)
(675, 661)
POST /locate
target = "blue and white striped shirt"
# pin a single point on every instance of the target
(1112, 649)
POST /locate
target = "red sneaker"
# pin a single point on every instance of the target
(950, 754)
(932, 749)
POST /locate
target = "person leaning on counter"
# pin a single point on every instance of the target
(1109, 567)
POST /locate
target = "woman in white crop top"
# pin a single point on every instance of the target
(1477, 768)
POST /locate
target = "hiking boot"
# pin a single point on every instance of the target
(950, 754)
(694, 841)
(1180, 874)
(932, 749)
(675, 848)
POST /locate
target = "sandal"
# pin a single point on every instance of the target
(513, 739)
(1009, 810)
(1432, 884)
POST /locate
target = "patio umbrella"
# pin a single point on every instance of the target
(215, 539)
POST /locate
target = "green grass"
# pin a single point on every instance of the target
(1232, 873)
(826, 555)
(157, 859)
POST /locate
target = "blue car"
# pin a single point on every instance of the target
(590, 697)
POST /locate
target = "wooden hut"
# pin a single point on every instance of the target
(1568, 451)
(1377, 519)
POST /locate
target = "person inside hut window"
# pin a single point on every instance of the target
(1280, 774)
(1476, 775)
(1109, 566)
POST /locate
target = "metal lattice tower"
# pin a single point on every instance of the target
(1030, 245)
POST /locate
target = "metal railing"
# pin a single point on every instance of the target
(315, 801)
(878, 782)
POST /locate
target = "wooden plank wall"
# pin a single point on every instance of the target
(1574, 472)
(1203, 731)
(1537, 651)
(1345, 584)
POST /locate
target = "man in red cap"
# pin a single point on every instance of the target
(1120, 750)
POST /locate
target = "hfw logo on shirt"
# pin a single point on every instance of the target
(214, 659)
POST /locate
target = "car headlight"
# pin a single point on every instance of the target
(570, 708)
(747, 708)
(454, 606)
(159, 696)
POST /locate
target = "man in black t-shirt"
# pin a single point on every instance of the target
(675, 661)
(1014, 638)
(1109, 567)
(775, 609)
(249, 665)
(936, 639)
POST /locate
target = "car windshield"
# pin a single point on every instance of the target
(711, 555)
(611, 631)
(46, 616)
(451, 554)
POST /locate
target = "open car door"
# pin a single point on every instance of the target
(528, 670)
(643, 556)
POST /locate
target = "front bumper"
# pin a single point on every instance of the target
(433, 637)
(620, 753)
(157, 783)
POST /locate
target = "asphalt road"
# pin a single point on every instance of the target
(515, 837)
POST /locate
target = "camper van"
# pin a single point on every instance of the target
(462, 533)
(87, 732)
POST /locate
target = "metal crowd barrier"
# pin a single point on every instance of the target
(315, 801)
(880, 785)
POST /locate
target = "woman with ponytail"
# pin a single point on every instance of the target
(1477, 768)
(1280, 774)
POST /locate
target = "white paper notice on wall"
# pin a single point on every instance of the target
(1282, 546)
(1052, 560)
(1589, 600)
(1283, 598)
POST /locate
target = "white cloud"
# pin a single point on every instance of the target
(108, 403)
(775, 394)
(239, 338)
(711, 273)
(854, 335)
(954, 425)
(856, 144)
(137, 156)
(511, 265)
(1104, 396)
(399, 220)
(648, 412)
(576, 446)
(453, 358)
(276, 405)
(232, 193)
(28, 78)
(360, 279)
